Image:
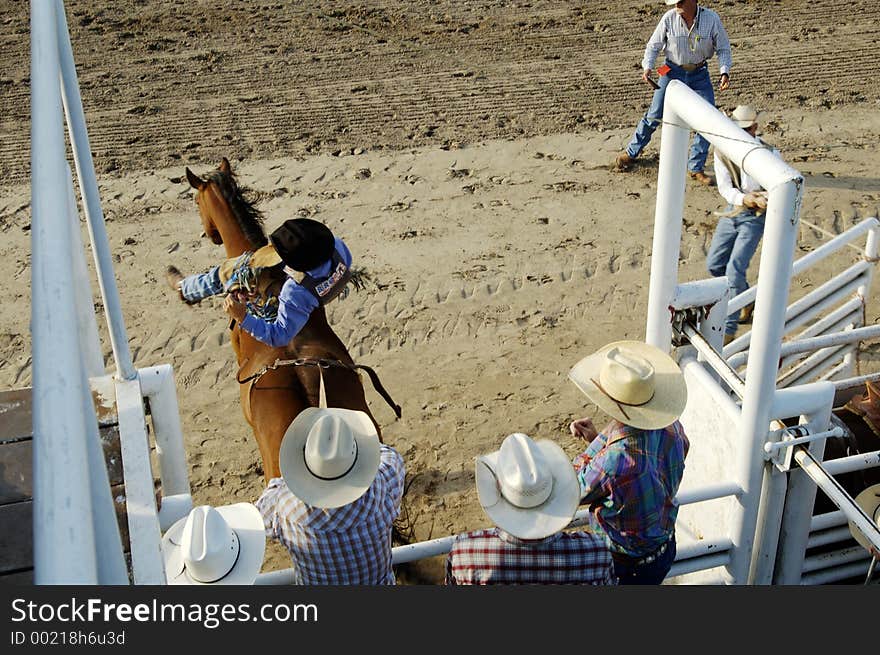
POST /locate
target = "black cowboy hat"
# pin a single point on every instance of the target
(302, 243)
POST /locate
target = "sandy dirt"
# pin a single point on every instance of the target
(462, 150)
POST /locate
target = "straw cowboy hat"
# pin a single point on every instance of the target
(329, 456)
(869, 501)
(222, 545)
(528, 488)
(636, 383)
(745, 116)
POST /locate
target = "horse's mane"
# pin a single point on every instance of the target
(249, 218)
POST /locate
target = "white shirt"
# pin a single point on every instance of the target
(689, 46)
(725, 183)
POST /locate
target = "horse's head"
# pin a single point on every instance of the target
(203, 188)
(228, 217)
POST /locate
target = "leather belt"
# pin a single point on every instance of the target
(692, 67)
(648, 559)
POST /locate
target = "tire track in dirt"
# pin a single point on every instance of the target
(255, 82)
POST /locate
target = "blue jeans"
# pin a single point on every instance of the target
(733, 245)
(628, 572)
(201, 285)
(700, 82)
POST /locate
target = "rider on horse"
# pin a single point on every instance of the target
(318, 267)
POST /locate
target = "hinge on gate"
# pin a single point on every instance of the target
(779, 447)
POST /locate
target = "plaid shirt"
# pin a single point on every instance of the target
(347, 545)
(630, 477)
(492, 556)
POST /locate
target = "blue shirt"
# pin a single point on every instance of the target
(295, 304)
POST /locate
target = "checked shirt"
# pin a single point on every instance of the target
(492, 556)
(630, 477)
(348, 545)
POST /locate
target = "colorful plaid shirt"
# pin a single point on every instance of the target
(348, 545)
(492, 556)
(630, 477)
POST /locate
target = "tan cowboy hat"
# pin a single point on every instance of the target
(222, 545)
(330, 456)
(745, 116)
(636, 383)
(528, 488)
(869, 501)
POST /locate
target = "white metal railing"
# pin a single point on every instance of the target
(76, 538)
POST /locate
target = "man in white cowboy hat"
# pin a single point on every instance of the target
(529, 491)
(334, 506)
(222, 545)
(741, 225)
(689, 35)
(630, 472)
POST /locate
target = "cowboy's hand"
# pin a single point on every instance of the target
(583, 428)
(645, 77)
(234, 308)
(724, 83)
(754, 200)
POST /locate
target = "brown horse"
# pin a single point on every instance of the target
(271, 397)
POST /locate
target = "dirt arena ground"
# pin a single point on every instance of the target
(462, 149)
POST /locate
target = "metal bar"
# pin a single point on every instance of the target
(707, 492)
(145, 536)
(829, 537)
(157, 383)
(64, 544)
(849, 383)
(837, 338)
(812, 366)
(827, 520)
(668, 213)
(835, 558)
(836, 574)
(852, 463)
(718, 364)
(704, 563)
(838, 495)
(770, 447)
(85, 171)
(810, 259)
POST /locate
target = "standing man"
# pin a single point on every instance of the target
(335, 505)
(690, 35)
(630, 472)
(529, 491)
(741, 226)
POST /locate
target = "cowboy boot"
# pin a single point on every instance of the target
(623, 162)
(747, 313)
(174, 278)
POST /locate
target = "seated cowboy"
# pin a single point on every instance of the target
(318, 267)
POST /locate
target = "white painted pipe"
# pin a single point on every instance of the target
(87, 324)
(838, 495)
(64, 544)
(818, 304)
(837, 574)
(85, 171)
(157, 383)
(858, 381)
(698, 548)
(836, 558)
(771, 447)
(705, 563)
(868, 225)
(827, 520)
(798, 348)
(852, 463)
(707, 492)
(828, 289)
(826, 537)
(824, 325)
(780, 237)
(668, 213)
(699, 293)
(803, 399)
(718, 364)
(812, 367)
(172, 509)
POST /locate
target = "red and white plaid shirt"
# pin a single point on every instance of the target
(492, 556)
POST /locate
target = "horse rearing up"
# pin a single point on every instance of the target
(272, 396)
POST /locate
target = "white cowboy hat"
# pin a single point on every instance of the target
(869, 501)
(329, 456)
(636, 383)
(528, 488)
(745, 116)
(222, 545)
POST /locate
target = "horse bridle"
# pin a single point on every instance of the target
(323, 363)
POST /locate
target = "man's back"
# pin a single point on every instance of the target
(492, 556)
(347, 545)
